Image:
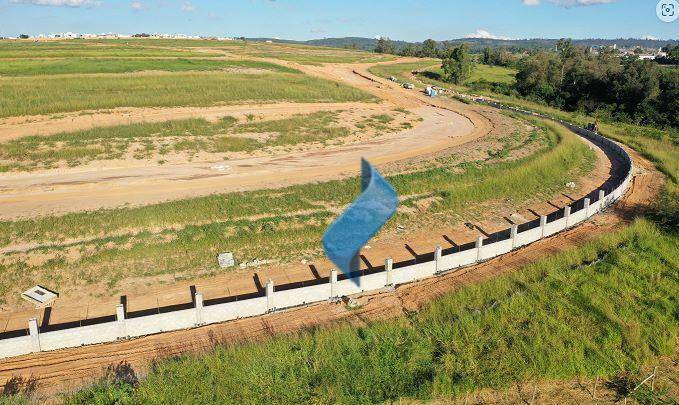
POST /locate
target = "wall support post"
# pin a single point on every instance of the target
(567, 214)
(269, 296)
(438, 253)
(543, 224)
(389, 267)
(34, 332)
(333, 283)
(587, 207)
(514, 230)
(120, 319)
(479, 245)
(199, 309)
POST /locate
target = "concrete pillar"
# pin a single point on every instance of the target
(269, 296)
(438, 252)
(199, 309)
(543, 223)
(586, 200)
(602, 194)
(389, 267)
(120, 319)
(34, 333)
(567, 214)
(514, 230)
(333, 283)
(479, 244)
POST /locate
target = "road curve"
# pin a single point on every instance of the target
(32, 194)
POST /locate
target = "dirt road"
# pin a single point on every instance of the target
(56, 191)
(32, 194)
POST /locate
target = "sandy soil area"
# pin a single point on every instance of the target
(35, 194)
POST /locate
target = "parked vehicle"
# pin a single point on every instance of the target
(393, 79)
(408, 86)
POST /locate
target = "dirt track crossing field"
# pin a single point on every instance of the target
(58, 191)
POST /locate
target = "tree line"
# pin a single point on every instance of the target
(572, 78)
(605, 85)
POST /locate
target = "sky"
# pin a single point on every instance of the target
(308, 19)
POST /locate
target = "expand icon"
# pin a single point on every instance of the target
(345, 237)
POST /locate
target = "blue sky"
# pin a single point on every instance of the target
(306, 19)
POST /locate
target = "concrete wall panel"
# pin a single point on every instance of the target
(147, 325)
(555, 226)
(16, 346)
(495, 249)
(234, 310)
(84, 335)
(529, 236)
(301, 296)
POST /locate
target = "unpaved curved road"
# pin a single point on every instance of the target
(41, 193)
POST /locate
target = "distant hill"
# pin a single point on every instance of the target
(477, 44)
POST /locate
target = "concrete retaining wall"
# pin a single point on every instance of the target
(202, 314)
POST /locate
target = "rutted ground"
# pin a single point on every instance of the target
(199, 140)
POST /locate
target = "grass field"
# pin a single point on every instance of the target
(402, 70)
(599, 310)
(431, 72)
(77, 49)
(55, 94)
(44, 67)
(182, 237)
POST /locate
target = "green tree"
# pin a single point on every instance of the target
(410, 50)
(385, 45)
(430, 49)
(457, 64)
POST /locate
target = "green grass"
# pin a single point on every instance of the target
(43, 67)
(182, 237)
(79, 49)
(310, 55)
(598, 310)
(317, 127)
(431, 73)
(189, 135)
(402, 70)
(55, 94)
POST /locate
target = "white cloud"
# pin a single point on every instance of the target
(186, 6)
(485, 34)
(649, 37)
(59, 3)
(136, 5)
(569, 3)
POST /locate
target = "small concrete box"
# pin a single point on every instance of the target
(39, 296)
(225, 260)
